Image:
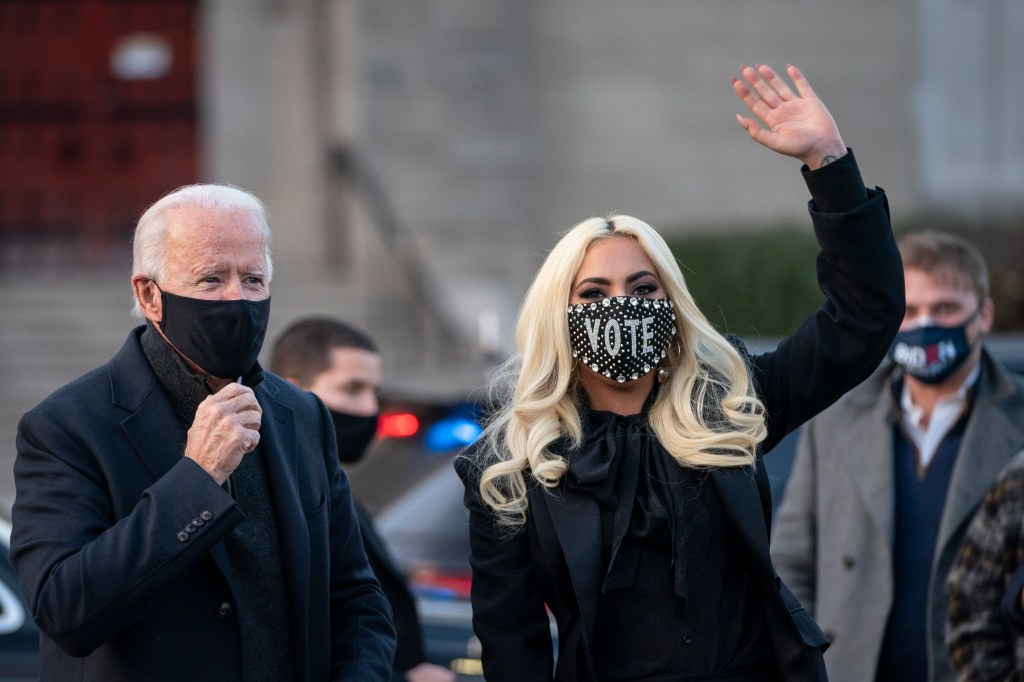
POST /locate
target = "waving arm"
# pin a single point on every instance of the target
(796, 122)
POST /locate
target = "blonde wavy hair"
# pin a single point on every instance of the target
(706, 413)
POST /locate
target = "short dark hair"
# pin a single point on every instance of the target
(948, 258)
(303, 350)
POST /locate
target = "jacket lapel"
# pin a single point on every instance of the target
(737, 489)
(152, 427)
(577, 523)
(156, 434)
(993, 435)
(160, 454)
(867, 443)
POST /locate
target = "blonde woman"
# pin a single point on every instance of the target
(620, 484)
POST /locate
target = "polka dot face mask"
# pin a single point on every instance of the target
(621, 337)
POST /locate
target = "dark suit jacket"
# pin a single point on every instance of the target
(409, 653)
(556, 561)
(122, 589)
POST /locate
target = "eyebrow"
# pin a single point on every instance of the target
(629, 280)
(208, 270)
(941, 301)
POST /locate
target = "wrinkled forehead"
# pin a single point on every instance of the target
(224, 227)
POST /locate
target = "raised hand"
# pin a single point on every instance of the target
(226, 427)
(797, 123)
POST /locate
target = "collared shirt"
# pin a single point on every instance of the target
(928, 437)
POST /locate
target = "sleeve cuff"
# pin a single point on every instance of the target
(838, 186)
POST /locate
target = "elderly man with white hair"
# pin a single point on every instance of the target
(180, 513)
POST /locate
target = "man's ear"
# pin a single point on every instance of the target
(147, 295)
(987, 315)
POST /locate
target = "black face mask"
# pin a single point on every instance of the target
(931, 354)
(223, 338)
(621, 337)
(354, 434)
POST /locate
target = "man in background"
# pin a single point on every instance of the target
(342, 366)
(886, 480)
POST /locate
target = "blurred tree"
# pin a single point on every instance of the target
(763, 284)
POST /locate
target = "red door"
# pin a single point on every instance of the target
(97, 121)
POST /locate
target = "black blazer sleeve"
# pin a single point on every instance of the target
(509, 615)
(861, 275)
(89, 570)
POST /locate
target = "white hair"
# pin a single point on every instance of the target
(149, 244)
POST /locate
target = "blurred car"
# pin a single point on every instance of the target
(19, 637)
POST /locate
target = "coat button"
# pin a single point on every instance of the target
(197, 522)
(848, 561)
(206, 516)
(225, 610)
(182, 536)
(190, 528)
(687, 640)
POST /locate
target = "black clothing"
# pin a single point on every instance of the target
(663, 534)
(253, 555)
(118, 539)
(409, 653)
(555, 562)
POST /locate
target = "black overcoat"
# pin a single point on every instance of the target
(555, 561)
(117, 537)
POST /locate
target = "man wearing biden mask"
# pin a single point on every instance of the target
(886, 480)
